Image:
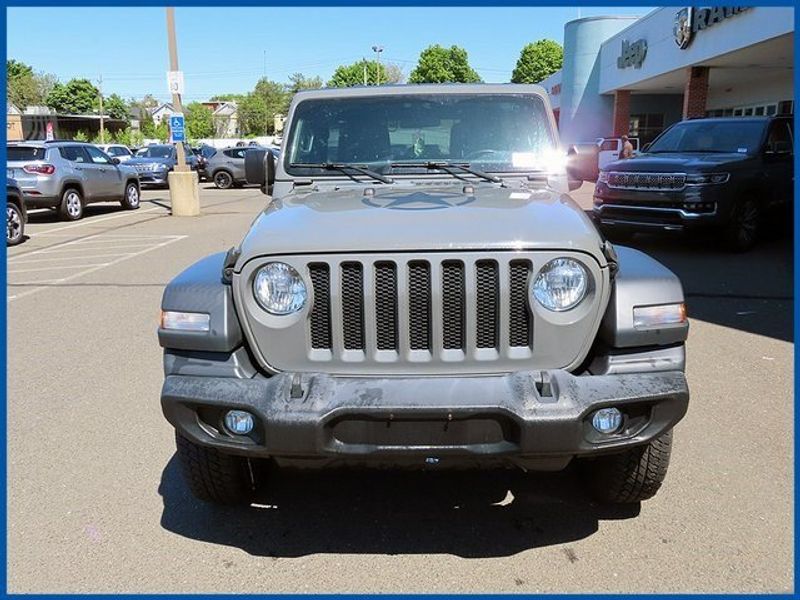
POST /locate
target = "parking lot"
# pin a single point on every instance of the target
(96, 502)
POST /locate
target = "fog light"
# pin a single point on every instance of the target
(239, 422)
(607, 420)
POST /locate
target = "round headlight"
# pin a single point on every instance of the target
(279, 289)
(561, 284)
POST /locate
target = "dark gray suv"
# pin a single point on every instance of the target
(67, 176)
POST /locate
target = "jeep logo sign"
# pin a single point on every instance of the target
(690, 20)
(632, 54)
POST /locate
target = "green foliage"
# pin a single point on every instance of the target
(443, 65)
(227, 98)
(161, 131)
(76, 97)
(24, 87)
(199, 121)
(257, 110)
(298, 81)
(115, 107)
(147, 125)
(80, 136)
(538, 61)
(354, 74)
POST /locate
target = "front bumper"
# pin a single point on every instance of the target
(694, 207)
(153, 177)
(520, 415)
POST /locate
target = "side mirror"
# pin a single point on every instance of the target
(259, 168)
(581, 164)
(115, 160)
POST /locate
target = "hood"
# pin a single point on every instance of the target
(421, 218)
(676, 161)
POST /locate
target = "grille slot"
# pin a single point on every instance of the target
(353, 306)
(386, 305)
(453, 305)
(487, 303)
(320, 319)
(519, 331)
(419, 305)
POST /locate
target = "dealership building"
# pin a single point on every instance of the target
(636, 76)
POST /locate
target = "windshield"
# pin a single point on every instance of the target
(497, 133)
(711, 136)
(157, 152)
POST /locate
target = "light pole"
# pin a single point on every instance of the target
(377, 50)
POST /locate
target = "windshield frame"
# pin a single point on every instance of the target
(764, 124)
(287, 168)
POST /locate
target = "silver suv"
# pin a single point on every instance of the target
(67, 176)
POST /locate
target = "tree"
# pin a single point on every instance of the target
(443, 65)
(24, 86)
(199, 121)
(227, 98)
(76, 97)
(298, 81)
(356, 73)
(116, 108)
(538, 61)
(253, 115)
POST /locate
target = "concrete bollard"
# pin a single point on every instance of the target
(184, 193)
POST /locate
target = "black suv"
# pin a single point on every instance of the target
(726, 174)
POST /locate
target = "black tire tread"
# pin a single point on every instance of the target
(633, 475)
(214, 476)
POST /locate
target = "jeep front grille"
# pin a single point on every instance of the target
(646, 181)
(421, 305)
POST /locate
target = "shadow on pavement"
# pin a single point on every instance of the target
(751, 292)
(469, 514)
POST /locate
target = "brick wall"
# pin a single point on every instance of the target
(622, 112)
(695, 93)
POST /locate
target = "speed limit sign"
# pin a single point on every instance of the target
(175, 82)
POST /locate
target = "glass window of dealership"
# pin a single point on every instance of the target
(636, 76)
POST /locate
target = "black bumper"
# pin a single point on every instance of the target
(692, 208)
(519, 415)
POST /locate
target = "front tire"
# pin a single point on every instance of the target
(744, 226)
(132, 197)
(223, 180)
(16, 225)
(630, 476)
(71, 207)
(214, 476)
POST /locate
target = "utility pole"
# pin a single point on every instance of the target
(377, 50)
(102, 118)
(184, 191)
(173, 66)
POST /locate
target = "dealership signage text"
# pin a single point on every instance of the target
(632, 54)
(690, 20)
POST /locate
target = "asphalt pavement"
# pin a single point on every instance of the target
(96, 502)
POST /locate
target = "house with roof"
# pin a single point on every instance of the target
(226, 118)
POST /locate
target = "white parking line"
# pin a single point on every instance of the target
(71, 257)
(82, 248)
(59, 268)
(98, 220)
(91, 268)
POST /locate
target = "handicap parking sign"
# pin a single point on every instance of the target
(177, 132)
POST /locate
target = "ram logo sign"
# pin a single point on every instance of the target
(689, 20)
(632, 54)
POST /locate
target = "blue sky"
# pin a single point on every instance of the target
(222, 49)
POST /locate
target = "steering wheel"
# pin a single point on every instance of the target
(479, 153)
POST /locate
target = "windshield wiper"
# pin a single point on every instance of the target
(343, 167)
(448, 167)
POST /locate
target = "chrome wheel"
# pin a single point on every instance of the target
(74, 207)
(14, 232)
(748, 222)
(132, 196)
(223, 180)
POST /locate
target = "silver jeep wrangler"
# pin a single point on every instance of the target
(421, 292)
